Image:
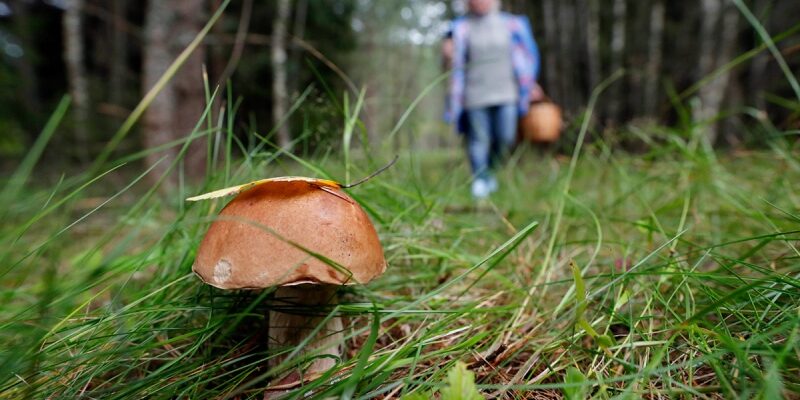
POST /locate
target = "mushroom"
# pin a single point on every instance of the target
(305, 236)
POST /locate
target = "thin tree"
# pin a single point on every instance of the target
(619, 11)
(372, 75)
(758, 68)
(157, 57)
(118, 70)
(718, 41)
(279, 89)
(189, 19)
(29, 83)
(550, 54)
(655, 41)
(169, 27)
(591, 16)
(76, 74)
(299, 33)
(566, 67)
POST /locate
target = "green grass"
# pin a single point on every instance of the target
(688, 280)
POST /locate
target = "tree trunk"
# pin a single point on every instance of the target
(653, 69)
(221, 61)
(279, 95)
(618, 27)
(29, 84)
(550, 53)
(118, 70)
(374, 90)
(157, 120)
(566, 69)
(708, 39)
(591, 14)
(716, 50)
(758, 67)
(76, 75)
(190, 93)
(296, 58)
(169, 28)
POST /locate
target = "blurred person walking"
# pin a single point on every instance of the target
(495, 62)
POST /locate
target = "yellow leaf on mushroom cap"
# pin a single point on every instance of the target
(241, 188)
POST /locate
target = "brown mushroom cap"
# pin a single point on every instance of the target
(268, 235)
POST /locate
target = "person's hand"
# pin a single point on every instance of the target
(537, 94)
(447, 52)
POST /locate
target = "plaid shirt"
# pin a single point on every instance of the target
(524, 59)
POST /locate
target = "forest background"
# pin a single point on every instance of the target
(676, 57)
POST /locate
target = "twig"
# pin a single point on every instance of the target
(372, 175)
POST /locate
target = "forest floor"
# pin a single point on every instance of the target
(662, 275)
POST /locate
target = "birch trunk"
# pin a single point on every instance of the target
(190, 94)
(710, 10)
(157, 120)
(653, 69)
(620, 12)
(716, 50)
(279, 95)
(374, 91)
(169, 28)
(76, 74)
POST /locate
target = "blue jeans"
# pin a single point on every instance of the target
(492, 131)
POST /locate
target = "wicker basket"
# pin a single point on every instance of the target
(542, 124)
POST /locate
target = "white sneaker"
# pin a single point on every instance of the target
(492, 184)
(481, 188)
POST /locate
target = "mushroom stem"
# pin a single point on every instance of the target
(297, 315)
